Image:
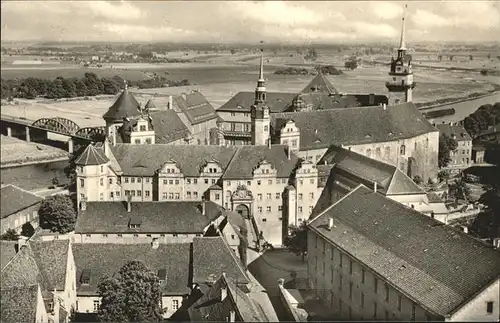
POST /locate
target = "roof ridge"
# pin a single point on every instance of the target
(233, 255)
(334, 204)
(233, 157)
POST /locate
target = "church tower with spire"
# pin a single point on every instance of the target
(260, 119)
(400, 85)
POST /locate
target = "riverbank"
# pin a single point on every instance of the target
(16, 153)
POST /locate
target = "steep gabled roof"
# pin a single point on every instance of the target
(125, 106)
(248, 157)
(19, 304)
(211, 257)
(434, 265)
(323, 128)
(15, 199)
(320, 84)
(91, 156)
(457, 131)
(21, 271)
(145, 160)
(168, 127)
(8, 250)
(52, 258)
(196, 107)
(243, 101)
(155, 217)
(150, 105)
(101, 260)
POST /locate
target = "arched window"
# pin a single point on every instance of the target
(402, 150)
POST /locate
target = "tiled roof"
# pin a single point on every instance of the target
(320, 84)
(196, 107)
(210, 307)
(91, 156)
(155, 217)
(248, 157)
(323, 174)
(19, 304)
(8, 250)
(434, 198)
(334, 127)
(243, 101)
(150, 105)
(434, 265)
(103, 260)
(324, 101)
(144, 160)
(21, 271)
(454, 130)
(168, 127)
(125, 105)
(211, 257)
(52, 258)
(15, 199)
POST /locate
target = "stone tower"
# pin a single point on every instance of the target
(260, 111)
(400, 84)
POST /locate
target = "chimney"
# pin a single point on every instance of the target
(374, 187)
(384, 106)
(330, 223)
(288, 153)
(281, 282)
(371, 99)
(232, 316)
(223, 294)
(155, 244)
(325, 162)
(170, 102)
(465, 229)
(315, 131)
(203, 206)
(184, 96)
(129, 203)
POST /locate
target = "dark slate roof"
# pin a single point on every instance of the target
(52, 258)
(373, 124)
(21, 271)
(323, 174)
(19, 304)
(8, 250)
(150, 105)
(390, 180)
(320, 84)
(125, 105)
(154, 217)
(91, 156)
(434, 198)
(248, 157)
(168, 126)
(325, 101)
(243, 101)
(15, 199)
(103, 260)
(211, 257)
(434, 265)
(196, 107)
(210, 307)
(144, 160)
(454, 130)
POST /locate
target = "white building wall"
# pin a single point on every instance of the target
(476, 309)
(133, 238)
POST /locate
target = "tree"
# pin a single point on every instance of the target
(444, 175)
(351, 64)
(296, 241)
(487, 223)
(446, 145)
(311, 55)
(417, 179)
(460, 189)
(10, 234)
(131, 295)
(57, 213)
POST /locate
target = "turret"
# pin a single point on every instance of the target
(260, 111)
(400, 85)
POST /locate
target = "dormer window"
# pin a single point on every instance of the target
(402, 150)
(142, 127)
(135, 222)
(85, 277)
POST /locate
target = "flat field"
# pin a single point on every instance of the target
(15, 150)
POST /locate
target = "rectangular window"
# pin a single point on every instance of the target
(278, 196)
(206, 180)
(139, 180)
(101, 181)
(127, 192)
(117, 193)
(375, 285)
(259, 182)
(412, 312)
(147, 179)
(268, 196)
(387, 293)
(362, 300)
(126, 179)
(195, 181)
(259, 209)
(170, 182)
(270, 182)
(138, 141)
(400, 301)
(177, 196)
(175, 305)
(176, 182)
(300, 209)
(139, 193)
(195, 195)
(132, 180)
(96, 306)
(489, 307)
(217, 196)
(146, 193)
(111, 195)
(188, 194)
(268, 209)
(171, 196)
(259, 196)
(300, 196)
(312, 181)
(188, 180)
(249, 183)
(110, 181)
(164, 196)
(132, 193)
(311, 196)
(165, 182)
(82, 182)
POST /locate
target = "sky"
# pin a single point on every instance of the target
(249, 21)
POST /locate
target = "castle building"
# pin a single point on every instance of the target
(462, 156)
(237, 118)
(183, 120)
(372, 258)
(401, 84)
(267, 185)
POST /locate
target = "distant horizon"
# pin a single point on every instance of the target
(229, 22)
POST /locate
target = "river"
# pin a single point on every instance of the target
(463, 109)
(33, 177)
